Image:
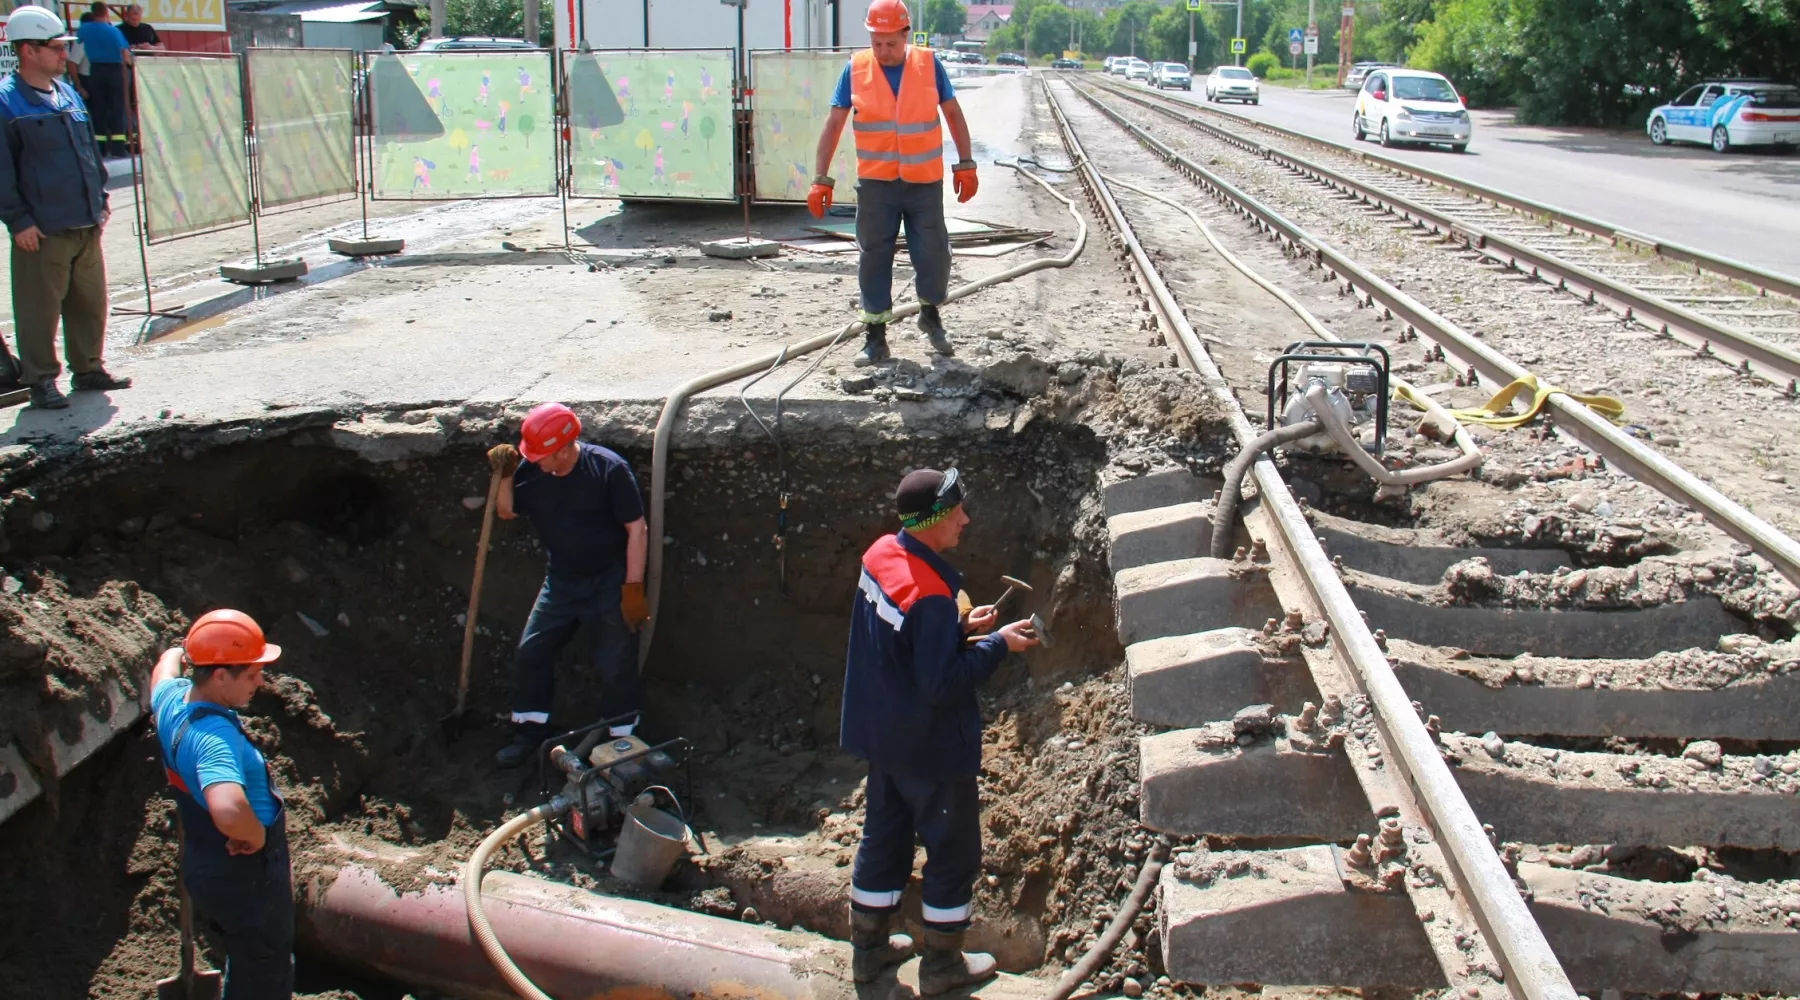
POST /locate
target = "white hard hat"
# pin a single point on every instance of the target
(35, 24)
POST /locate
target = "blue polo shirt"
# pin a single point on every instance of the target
(841, 97)
(213, 752)
(102, 41)
(580, 517)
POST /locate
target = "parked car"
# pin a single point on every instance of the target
(464, 43)
(1117, 65)
(1233, 83)
(1137, 69)
(1009, 59)
(1411, 106)
(1359, 72)
(1727, 113)
(1169, 76)
(1066, 64)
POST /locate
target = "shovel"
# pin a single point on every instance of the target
(458, 720)
(191, 983)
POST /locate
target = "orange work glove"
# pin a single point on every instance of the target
(633, 606)
(962, 177)
(818, 200)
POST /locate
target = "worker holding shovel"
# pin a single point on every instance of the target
(234, 850)
(584, 503)
(910, 711)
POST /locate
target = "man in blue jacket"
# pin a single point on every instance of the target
(53, 201)
(910, 711)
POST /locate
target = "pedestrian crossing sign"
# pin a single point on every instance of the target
(1195, 5)
(921, 39)
(1237, 46)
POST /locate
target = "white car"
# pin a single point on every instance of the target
(1137, 69)
(1117, 65)
(1233, 83)
(1170, 75)
(1411, 106)
(1729, 113)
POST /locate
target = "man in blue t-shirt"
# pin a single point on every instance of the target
(584, 503)
(234, 859)
(108, 53)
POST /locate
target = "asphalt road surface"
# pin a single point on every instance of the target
(1743, 205)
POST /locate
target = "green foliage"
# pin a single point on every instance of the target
(1472, 43)
(499, 18)
(1168, 33)
(1049, 31)
(1261, 63)
(944, 17)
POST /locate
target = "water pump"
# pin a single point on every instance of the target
(1354, 377)
(603, 775)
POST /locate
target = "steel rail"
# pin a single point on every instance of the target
(1531, 970)
(1765, 281)
(1744, 349)
(1637, 460)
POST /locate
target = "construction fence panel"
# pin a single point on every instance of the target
(651, 123)
(790, 102)
(191, 129)
(462, 125)
(302, 117)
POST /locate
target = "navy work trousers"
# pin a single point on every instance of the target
(564, 604)
(106, 106)
(946, 816)
(248, 901)
(881, 208)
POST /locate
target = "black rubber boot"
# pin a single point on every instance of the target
(874, 949)
(527, 737)
(875, 348)
(947, 967)
(98, 380)
(933, 325)
(46, 396)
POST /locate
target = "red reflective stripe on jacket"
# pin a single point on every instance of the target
(902, 576)
(175, 781)
(897, 137)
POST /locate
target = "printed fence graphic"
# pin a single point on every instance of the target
(792, 100)
(300, 102)
(651, 124)
(462, 125)
(191, 121)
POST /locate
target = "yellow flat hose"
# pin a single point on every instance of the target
(1493, 412)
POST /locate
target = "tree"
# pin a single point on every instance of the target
(708, 128)
(1168, 32)
(945, 17)
(527, 125)
(500, 18)
(645, 141)
(1128, 26)
(1261, 63)
(1049, 31)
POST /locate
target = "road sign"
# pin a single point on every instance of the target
(1293, 48)
(1295, 35)
(1194, 5)
(921, 39)
(1312, 45)
(1238, 46)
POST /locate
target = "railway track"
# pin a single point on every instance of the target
(1485, 761)
(1743, 316)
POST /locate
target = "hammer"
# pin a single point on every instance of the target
(1012, 583)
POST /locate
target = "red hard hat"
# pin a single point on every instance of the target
(547, 428)
(888, 15)
(225, 638)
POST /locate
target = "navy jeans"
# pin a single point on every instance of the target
(881, 208)
(564, 604)
(946, 816)
(248, 901)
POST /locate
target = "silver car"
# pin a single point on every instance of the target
(1233, 83)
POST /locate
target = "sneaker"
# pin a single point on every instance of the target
(933, 325)
(875, 348)
(98, 380)
(46, 396)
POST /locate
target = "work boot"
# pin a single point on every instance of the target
(46, 396)
(947, 967)
(525, 742)
(98, 380)
(933, 325)
(875, 950)
(875, 348)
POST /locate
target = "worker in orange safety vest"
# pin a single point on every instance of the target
(896, 91)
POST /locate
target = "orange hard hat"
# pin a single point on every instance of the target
(547, 428)
(888, 15)
(226, 638)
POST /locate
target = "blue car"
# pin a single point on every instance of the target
(1727, 113)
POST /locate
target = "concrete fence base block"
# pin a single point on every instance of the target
(1285, 918)
(365, 248)
(1666, 937)
(1188, 595)
(1541, 796)
(265, 273)
(1190, 680)
(1178, 531)
(1265, 789)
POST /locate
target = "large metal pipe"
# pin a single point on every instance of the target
(571, 942)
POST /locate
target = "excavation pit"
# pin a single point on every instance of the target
(359, 568)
